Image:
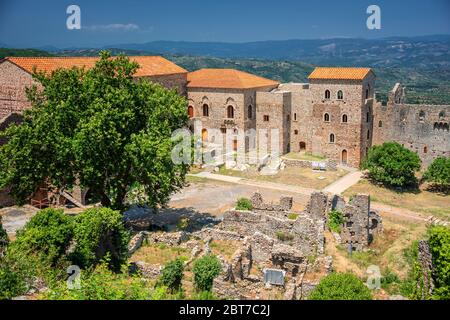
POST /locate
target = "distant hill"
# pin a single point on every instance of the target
(10, 52)
(418, 52)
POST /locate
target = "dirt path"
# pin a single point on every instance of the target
(344, 183)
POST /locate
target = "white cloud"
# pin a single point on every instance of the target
(113, 27)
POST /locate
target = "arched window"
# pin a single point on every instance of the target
(205, 110)
(332, 138)
(326, 117)
(421, 115)
(340, 95)
(425, 149)
(191, 111)
(295, 132)
(446, 126)
(204, 135)
(368, 134)
(441, 114)
(249, 112)
(230, 112)
(344, 118)
(436, 126)
(327, 94)
(380, 124)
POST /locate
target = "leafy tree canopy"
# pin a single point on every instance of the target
(392, 164)
(438, 173)
(341, 286)
(100, 128)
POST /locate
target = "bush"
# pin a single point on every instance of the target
(172, 274)
(4, 240)
(335, 221)
(284, 236)
(101, 284)
(341, 286)
(100, 233)
(46, 235)
(439, 242)
(438, 173)
(244, 204)
(205, 270)
(292, 216)
(12, 282)
(392, 164)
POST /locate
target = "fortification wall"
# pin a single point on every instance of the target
(423, 129)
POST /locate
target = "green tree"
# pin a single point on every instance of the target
(439, 242)
(205, 270)
(4, 240)
(100, 128)
(438, 173)
(340, 286)
(392, 164)
(100, 234)
(47, 236)
(335, 220)
(172, 274)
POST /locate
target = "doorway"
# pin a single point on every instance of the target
(344, 157)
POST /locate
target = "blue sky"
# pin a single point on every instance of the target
(39, 23)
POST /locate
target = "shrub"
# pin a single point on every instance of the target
(392, 164)
(12, 282)
(101, 284)
(341, 286)
(46, 235)
(183, 224)
(335, 221)
(172, 274)
(205, 270)
(283, 236)
(244, 204)
(439, 242)
(4, 240)
(292, 216)
(100, 233)
(438, 173)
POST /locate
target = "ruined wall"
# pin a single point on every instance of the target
(423, 129)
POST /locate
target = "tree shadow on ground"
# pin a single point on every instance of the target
(168, 219)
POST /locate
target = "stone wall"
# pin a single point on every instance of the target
(13, 82)
(176, 81)
(423, 129)
(330, 164)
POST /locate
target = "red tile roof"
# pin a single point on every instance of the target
(227, 79)
(148, 65)
(340, 73)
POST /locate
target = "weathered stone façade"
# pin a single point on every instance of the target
(335, 115)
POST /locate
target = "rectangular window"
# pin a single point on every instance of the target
(223, 130)
(295, 117)
(266, 118)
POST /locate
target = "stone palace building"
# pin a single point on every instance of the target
(335, 115)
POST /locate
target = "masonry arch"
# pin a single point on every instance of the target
(344, 157)
(327, 94)
(204, 135)
(191, 111)
(332, 138)
(302, 146)
(205, 109)
(230, 112)
(344, 118)
(340, 95)
(326, 117)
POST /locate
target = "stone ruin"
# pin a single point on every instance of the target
(271, 237)
(361, 224)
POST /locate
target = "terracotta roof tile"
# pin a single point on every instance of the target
(227, 79)
(340, 73)
(149, 65)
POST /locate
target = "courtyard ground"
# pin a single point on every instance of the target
(303, 177)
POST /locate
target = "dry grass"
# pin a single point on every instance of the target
(159, 254)
(304, 156)
(292, 176)
(225, 248)
(423, 201)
